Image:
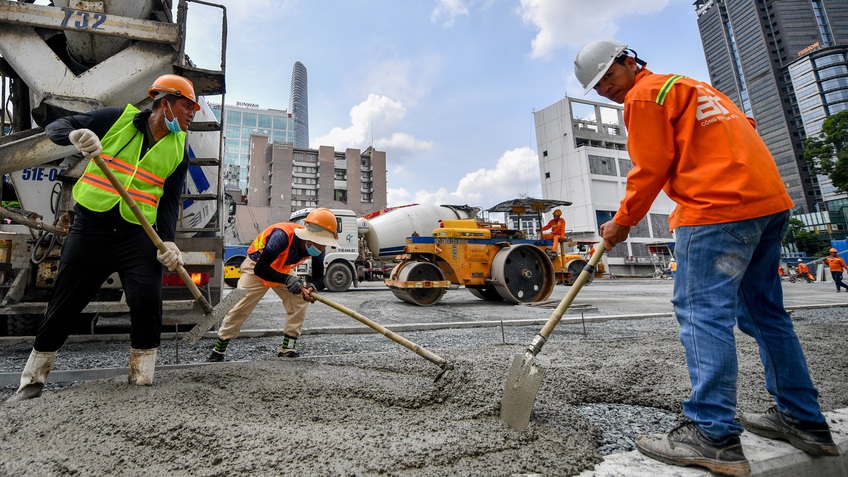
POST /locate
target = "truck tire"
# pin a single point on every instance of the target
(338, 277)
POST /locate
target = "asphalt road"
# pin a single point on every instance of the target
(602, 298)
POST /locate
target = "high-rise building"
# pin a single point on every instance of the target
(242, 120)
(299, 105)
(781, 62)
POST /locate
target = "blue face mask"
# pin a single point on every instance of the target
(173, 125)
(313, 250)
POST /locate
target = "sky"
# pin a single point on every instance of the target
(446, 87)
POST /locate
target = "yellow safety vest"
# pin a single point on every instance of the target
(143, 177)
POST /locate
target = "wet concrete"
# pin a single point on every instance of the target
(378, 412)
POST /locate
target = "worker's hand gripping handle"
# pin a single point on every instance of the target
(195, 292)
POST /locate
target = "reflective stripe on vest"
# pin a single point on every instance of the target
(279, 264)
(666, 87)
(142, 177)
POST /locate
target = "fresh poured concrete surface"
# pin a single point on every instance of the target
(374, 409)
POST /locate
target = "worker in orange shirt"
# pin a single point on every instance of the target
(803, 271)
(688, 139)
(837, 266)
(557, 228)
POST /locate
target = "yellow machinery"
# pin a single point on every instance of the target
(493, 262)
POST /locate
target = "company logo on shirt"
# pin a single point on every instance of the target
(710, 109)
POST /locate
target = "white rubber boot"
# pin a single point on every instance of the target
(34, 375)
(142, 366)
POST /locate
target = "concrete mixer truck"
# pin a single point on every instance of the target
(368, 245)
(74, 56)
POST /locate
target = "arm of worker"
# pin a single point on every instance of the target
(98, 121)
(652, 150)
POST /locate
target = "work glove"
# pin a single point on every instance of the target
(293, 284)
(86, 142)
(170, 258)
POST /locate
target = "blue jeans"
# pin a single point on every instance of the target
(726, 275)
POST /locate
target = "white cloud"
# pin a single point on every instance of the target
(374, 122)
(516, 173)
(449, 9)
(573, 23)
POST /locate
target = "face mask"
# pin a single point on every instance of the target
(313, 250)
(173, 125)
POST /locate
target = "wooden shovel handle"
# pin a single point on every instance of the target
(560, 310)
(207, 308)
(423, 352)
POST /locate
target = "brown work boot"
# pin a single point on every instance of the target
(686, 445)
(812, 438)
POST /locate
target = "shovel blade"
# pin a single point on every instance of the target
(522, 385)
(217, 314)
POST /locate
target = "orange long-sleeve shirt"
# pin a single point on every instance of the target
(556, 226)
(836, 264)
(693, 142)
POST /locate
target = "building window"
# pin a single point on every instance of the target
(544, 153)
(601, 165)
(659, 223)
(624, 166)
(340, 196)
(547, 175)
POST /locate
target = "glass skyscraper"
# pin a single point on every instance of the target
(299, 105)
(240, 121)
(763, 54)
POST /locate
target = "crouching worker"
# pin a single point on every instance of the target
(146, 150)
(270, 263)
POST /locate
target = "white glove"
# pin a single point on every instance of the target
(171, 258)
(86, 142)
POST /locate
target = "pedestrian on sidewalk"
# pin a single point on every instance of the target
(688, 139)
(270, 264)
(836, 265)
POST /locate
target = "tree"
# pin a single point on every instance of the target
(804, 240)
(827, 154)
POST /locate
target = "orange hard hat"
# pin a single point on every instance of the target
(832, 250)
(321, 228)
(175, 85)
(557, 213)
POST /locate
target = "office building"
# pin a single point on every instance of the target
(284, 178)
(299, 105)
(582, 149)
(242, 120)
(764, 54)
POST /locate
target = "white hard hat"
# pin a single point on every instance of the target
(593, 61)
(800, 260)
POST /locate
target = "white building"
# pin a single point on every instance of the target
(585, 161)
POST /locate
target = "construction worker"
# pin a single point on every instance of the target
(803, 271)
(146, 150)
(688, 139)
(672, 267)
(557, 228)
(270, 263)
(836, 265)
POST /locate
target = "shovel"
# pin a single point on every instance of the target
(211, 315)
(525, 374)
(423, 352)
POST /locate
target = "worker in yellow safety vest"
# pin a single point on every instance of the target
(146, 151)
